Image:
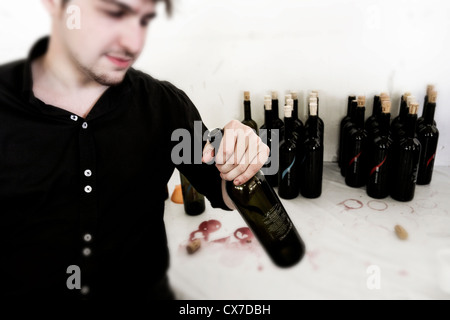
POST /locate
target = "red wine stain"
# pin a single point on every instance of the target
(403, 273)
(204, 229)
(311, 257)
(426, 204)
(352, 204)
(244, 235)
(377, 205)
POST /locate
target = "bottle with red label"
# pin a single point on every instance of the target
(428, 135)
(355, 157)
(379, 160)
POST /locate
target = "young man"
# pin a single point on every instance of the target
(85, 156)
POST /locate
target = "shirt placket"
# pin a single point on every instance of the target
(88, 204)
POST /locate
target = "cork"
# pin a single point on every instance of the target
(361, 101)
(274, 95)
(193, 246)
(409, 100)
(290, 102)
(294, 95)
(413, 107)
(401, 233)
(432, 96)
(430, 88)
(268, 103)
(384, 97)
(386, 106)
(406, 95)
(288, 96)
(313, 109)
(288, 111)
(246, 95)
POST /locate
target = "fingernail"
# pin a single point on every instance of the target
(237, 182)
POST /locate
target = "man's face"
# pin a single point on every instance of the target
(110, 38)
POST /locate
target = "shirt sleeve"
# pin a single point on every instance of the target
(187, 146)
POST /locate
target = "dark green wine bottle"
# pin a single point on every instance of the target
(248, 121)
(194, 202)
(264, 213)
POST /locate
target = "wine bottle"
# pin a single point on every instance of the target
(345, 136)
(312, 165)
(355, 158)
(428, 136)
(299, 127)
(194, 202)
(406, 160)
(380, 156)
(344, 121)
(397, 124)
(270, 137)
(277, 123)
(248, 121)
(430, 89)
(262, 210)
(314, 98)
(288, 187)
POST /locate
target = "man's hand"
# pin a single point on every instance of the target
(241, 153)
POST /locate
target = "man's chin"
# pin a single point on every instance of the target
(110, 79)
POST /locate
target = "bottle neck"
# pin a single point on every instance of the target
(359, 118)
(384, 121)
(268, 119)
(411, 122)
(275, 109)
(288, 127)
(295, 110)
(376, 111)
(313, 131)
(247, 110)
(403, 109)
(429, 113)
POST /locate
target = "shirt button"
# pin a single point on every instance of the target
(88, 173)
(87, 252)
(74, 117)
(84, 125)
(87, 237)
(88, 189)
(84, 290)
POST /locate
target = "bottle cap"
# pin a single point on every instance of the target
(409, 100)
(287, 96)
(430, 88)
(246, 95)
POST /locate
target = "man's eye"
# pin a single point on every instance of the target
(116, 14)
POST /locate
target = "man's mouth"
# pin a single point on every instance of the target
(120, 61)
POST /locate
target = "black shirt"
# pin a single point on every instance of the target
(89, 192)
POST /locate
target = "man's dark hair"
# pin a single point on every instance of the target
(167, 2)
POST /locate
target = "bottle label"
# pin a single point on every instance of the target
(277, 222)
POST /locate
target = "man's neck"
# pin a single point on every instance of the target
(57, 81)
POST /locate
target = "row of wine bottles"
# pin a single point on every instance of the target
(389, 157)
(299, 162)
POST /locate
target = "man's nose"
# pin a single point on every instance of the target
(132, 37)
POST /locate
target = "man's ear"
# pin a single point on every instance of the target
(53, 7)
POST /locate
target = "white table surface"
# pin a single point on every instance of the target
(346, 234)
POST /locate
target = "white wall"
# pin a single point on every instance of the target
(216, 49)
